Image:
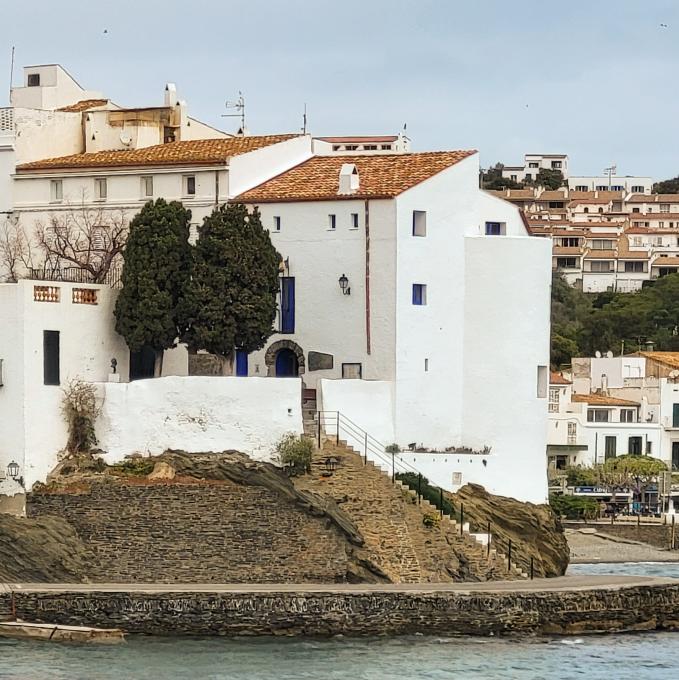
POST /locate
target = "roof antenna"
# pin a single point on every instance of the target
(304, 121)
(11, 75)
(238, 105)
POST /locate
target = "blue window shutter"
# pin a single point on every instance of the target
(241, 363)
(288, 304)
(419, 293)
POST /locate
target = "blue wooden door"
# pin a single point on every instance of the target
(241, 363)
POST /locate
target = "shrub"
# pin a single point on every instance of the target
(429, 492)
(574, 507)
(431, 520)
(135, 467)
(294, 453)
(392, 448)
(80, 410)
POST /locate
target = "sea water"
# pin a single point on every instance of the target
(645, 656)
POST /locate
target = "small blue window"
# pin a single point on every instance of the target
(241, 363)
(419, 294)
(494, 229)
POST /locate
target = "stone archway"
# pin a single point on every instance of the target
(275, 347)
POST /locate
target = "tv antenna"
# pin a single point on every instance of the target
(610, 172)
(239, 106)
(304, 121)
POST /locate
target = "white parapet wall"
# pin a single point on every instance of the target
(198, 414)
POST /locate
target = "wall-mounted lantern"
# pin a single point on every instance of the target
(344, 285)
(13, 470)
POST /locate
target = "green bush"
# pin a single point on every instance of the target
(135, 467)
(392, 448)
(429, 492)
(294, 453)
(574, 507)
(581, 476)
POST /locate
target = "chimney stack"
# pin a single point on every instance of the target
(348, 179)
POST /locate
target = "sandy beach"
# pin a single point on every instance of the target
(589, 546)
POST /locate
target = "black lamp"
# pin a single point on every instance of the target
(331, 464)
(13, 470)
(344, 285)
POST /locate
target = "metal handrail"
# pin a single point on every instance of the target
(372, 445)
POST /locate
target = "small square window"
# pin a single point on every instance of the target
(419, 223)
(354, 220)
(276, 223)
(190, 185)
(332, 221)
(56, 191)
(352, 371)
(419, 294)
(100, 189)
(495, 228)
(33, 80)
(147, 187)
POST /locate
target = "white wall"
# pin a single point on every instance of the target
(326, 320)
(507, 302)
(198, 414)
(367, 403)
(250, 169)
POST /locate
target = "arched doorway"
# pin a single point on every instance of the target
(284, 359)
(287, 365)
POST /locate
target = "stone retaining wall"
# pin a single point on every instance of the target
(198, 533)
(657, 535)
(639, 607)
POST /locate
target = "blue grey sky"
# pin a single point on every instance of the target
(593, 79)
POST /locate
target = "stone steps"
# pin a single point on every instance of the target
(447, 522)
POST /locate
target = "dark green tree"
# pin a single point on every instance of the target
(231, 302)
(492, 179)
(548, 178)
(156, 273)
(570, 310)
(667, 186)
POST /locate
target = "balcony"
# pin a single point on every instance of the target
(75, 275)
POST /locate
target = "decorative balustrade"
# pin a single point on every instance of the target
(46, 293)
(85, 296)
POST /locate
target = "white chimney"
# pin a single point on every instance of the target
(604, 384)
(171, 98)
(348, 179)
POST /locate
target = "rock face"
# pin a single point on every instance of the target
(200, 518)
(41, 550)
(535, 531)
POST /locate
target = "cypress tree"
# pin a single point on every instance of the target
(231, 302)
(156, 272)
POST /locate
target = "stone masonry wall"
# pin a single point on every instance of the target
(343, 611)
(657, 535)
(193, 533)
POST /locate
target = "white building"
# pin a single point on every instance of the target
(533, 163)
(626, 183)
(400, 272)
(615, 406)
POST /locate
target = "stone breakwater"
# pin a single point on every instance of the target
(575, 605)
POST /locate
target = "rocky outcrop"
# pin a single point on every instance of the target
(201, 518)
(535, 530)
(41, 550)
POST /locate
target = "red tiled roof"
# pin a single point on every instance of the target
(84, 105)
(195, 152)
(317, 179)
(602, 400)
(557, 379)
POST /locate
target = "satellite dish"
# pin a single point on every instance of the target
(597, 354)
(125, 138)
(609, 354)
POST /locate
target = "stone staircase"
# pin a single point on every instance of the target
(392, 523)
(309, 413)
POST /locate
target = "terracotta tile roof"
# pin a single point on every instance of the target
(195, 152)
(590, 201)
(655, 216)
(553, 196)
(592, 225)
(317, 179)
(624, 253)
(557, 379)
(567, 250)
(665, 262)
(602, 235)
(84, 105)
(376, 139)
(670, 359)
(602, 400)
(600, 255)
(653, 198)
